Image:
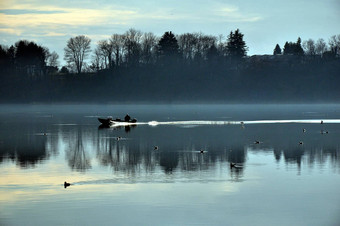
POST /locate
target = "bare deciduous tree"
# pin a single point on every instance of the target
(53, 59)
(106, 48)
(309, 47)
(187, 45)
(77, 50)
(148, 46)
(98, 60)
(117, 42)
(195, 46)
(334, 44)
(132, 46)
(320, 46)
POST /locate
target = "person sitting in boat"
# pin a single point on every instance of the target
(127, 118)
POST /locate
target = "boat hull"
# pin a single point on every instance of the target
(105, 121)
(110, 121)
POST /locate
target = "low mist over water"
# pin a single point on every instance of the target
(204, 164)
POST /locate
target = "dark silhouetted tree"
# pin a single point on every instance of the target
(195, 46)
(168, 46)
(132, 46)
(203, 46)
(11, 53)
(30, 57)
(52, 59)
(288, 49)
(117, 41)
(213, 56)
(298, 48)
(236, 46)
(77, 50)
(98, 60)
(64, 70)
(334, 44)
(277, 50)
(149, 43)
(187, 46)
(105, 49)
(292, 48)
(5, 58)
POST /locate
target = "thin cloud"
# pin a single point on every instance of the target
(228, 9)
(49, 34)
(54, 34)
(32, 16)
(11, 31)
(26, 11)
(203, 15)
(233, 14)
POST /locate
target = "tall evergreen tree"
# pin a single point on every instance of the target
(30, 58)
(277, 50)
(4, 58)
(298, 47)
(236, 46)
(168, 45)
(293, 48)
(29, 53)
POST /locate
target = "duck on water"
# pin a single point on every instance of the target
(66, 184)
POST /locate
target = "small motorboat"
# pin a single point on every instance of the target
(109, 121)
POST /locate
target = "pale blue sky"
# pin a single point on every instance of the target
(264, 22)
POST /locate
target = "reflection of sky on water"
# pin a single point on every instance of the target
(126, 181)
(270, 193)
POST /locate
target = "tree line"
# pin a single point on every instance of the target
(135, 48)
(137, 65)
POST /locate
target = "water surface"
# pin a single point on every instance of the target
(290, 177)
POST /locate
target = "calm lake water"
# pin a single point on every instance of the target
(118, 178)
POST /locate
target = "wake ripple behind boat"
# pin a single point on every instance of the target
(118, 122)
(110, 121)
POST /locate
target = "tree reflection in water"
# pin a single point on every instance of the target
(169, 161)
(179, 149)
(76, 155)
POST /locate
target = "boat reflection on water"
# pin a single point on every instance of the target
(127, 128)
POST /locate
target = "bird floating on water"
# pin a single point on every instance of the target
(257, 142)
(202, 151)
(66, 184)
(301, 143)
(234, 165)
(155, 148)
(304, 130)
